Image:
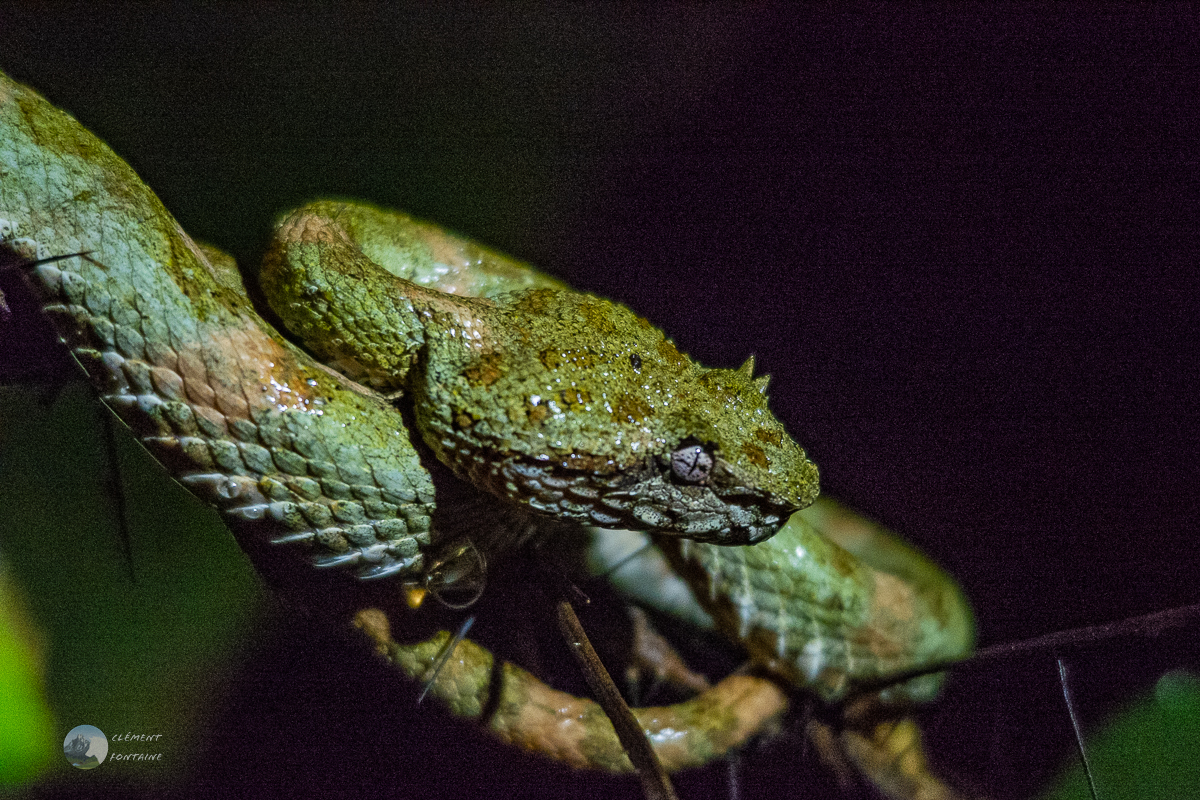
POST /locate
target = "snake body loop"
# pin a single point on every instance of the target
(549, 407)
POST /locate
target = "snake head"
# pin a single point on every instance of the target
(568, 403)
(579, 408)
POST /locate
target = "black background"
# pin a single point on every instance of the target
(962, 241)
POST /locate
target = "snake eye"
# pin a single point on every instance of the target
(691, 462)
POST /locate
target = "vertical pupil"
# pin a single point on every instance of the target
(691, 463)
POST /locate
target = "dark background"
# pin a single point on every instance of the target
(961, 240)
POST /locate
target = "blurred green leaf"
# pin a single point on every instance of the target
(141, 617)
(1150, 749)
(26, 723)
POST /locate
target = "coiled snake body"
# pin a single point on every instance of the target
(442, 364)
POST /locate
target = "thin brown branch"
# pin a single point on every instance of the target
(1146, 625)
(655, 783)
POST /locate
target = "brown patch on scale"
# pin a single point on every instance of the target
(669, 353)
(574, 400)
(631, 408)
(310, 228)
(845, 563)
(536, 414)
(167, 383)
(599, 316)
(767, 436)
(756, 456)
(895, 598)
(253, 360)
(883, 643)
(464, 419)
(452, 311)
(195, 376)
(536, 302)
(486, 371)
(723, 382)
(550, 721)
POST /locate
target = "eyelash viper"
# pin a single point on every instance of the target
(522, 406)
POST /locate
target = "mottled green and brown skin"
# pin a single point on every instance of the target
(551, 408)
(538, 394)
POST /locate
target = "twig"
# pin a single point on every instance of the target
(1145, 625)
(655, 783)
(1066, 688)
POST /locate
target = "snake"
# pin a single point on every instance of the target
(445, 404)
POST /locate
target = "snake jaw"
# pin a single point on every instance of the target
(648, 498)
